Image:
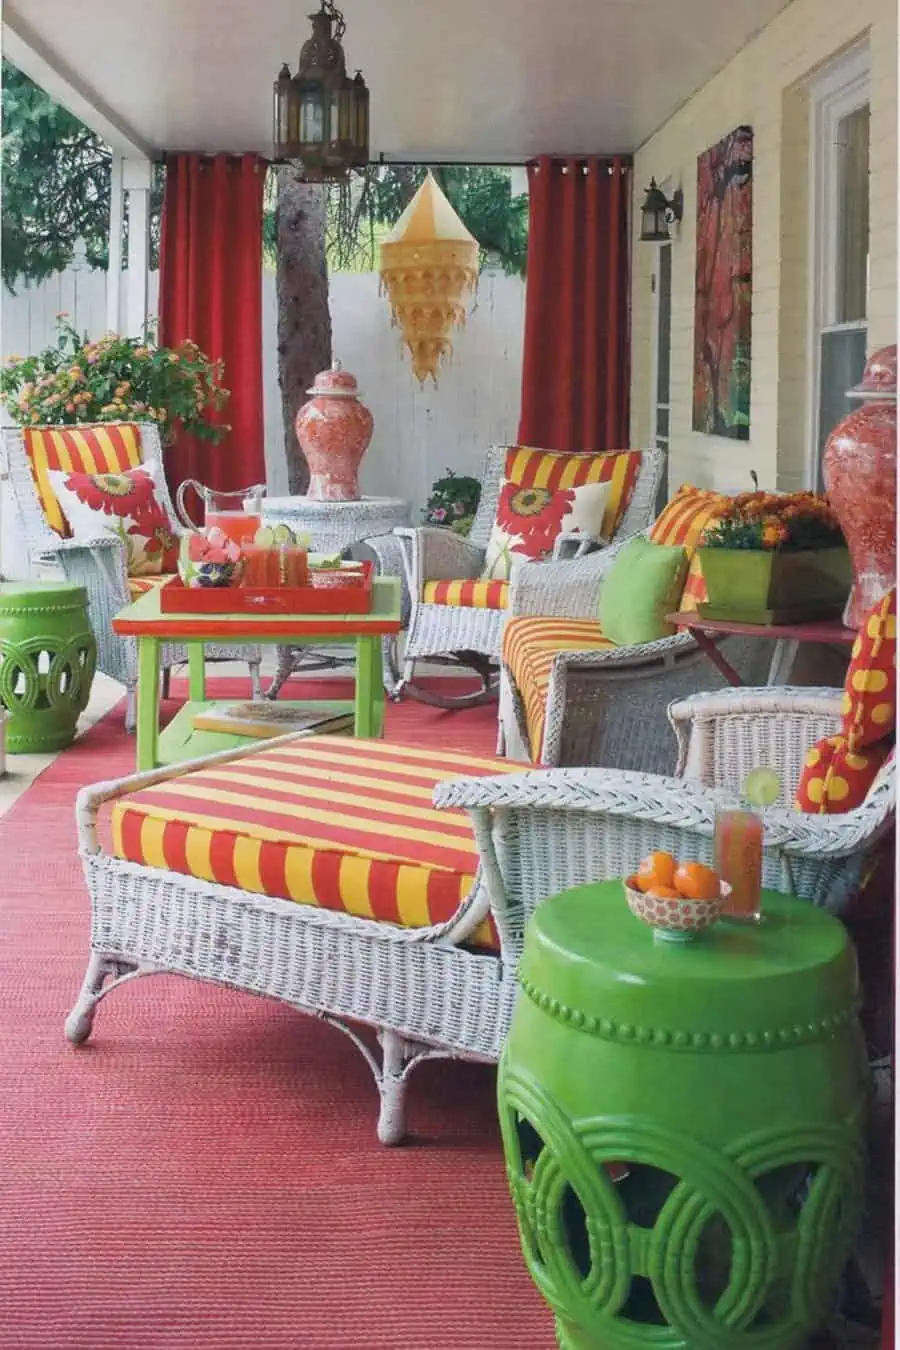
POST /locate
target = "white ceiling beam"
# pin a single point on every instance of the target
(45, 69)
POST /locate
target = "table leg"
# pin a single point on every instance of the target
(369, 697)
(711, 649)
(147, 703)
(196, 672)
(783, 658)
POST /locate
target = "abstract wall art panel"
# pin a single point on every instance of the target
(721, 403)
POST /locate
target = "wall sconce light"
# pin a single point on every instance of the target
(658, 213)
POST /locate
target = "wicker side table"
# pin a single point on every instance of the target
(727, 1077)
(47, 660)
(333, 527)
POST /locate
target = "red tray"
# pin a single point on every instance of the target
(333, 593)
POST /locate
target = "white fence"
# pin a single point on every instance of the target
(418, 432)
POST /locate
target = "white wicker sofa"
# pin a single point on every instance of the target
(100, 566)
(467, 631)
(426, 992)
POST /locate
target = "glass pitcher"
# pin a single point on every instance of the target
(237, 514)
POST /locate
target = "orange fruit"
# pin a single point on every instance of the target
(696, 881)
(664, 893)
(657, 869)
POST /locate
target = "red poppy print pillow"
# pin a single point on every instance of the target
(128, 505)
(529, 521)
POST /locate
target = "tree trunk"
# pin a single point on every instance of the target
(304, 320)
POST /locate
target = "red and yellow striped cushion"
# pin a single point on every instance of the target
(529, 647)
(682, 522)
(141, 585)
(327, 820)
(109, 447)
(554, 471)
(473, 594)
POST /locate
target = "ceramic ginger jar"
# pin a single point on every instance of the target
(334, 430)
(860, 472)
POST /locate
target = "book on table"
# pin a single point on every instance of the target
(262, 720)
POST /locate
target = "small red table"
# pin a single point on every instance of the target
(787, 638)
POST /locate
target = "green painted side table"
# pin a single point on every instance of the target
(47, 660)
(727, 1076)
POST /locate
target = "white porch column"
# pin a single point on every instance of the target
(136, 174)
(114, 267)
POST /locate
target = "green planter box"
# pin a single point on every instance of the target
(769, 586)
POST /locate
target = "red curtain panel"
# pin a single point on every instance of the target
(575, 372)
(210, 290)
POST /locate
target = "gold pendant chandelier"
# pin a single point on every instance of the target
(321, 116)
(428, 266)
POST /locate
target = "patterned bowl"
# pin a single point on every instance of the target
(674, 920)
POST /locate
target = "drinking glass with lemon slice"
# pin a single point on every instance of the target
(739, 844)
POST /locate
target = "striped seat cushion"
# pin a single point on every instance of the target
(141, 585)
(473, 594)
(529, 647)
(683, 522)
(556, 471)
(327, 820)
(110, 447)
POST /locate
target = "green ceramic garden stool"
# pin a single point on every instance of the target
(727, 1076)
(47, 660)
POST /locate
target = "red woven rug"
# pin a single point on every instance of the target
(204, 1173)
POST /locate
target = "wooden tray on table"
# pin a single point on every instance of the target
(344, 590)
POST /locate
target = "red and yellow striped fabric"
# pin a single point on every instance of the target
(554, 471)
(473, 594)
(529, 647)
(107, 447)
(327, 820)
(141, 585)
(682, 522)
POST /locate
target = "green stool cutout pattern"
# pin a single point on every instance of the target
(47, 660)
(728, 1077)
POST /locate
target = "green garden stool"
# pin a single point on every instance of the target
(47, 660)
(682, 1124)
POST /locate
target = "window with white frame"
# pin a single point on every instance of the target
(839, 228)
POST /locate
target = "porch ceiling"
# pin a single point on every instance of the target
(466, 80)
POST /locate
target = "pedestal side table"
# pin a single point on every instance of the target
(48, 656)
(682, 1123)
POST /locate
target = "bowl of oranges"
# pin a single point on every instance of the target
(677, 899)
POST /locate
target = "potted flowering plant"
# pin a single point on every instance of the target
(453, 502)
(775, 558)
(117, 379)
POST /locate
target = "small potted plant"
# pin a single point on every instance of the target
(453, 502)
(775, 558)
(117, 379)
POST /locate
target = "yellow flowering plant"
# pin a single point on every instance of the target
(117, 379)
(769, 520)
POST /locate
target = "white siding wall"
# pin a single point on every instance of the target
(418, 432)
(765, 86)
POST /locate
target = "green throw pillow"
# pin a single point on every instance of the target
(644, 584)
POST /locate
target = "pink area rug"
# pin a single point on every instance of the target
(204, 1173)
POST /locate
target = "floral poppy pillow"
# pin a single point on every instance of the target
(129, 506)
(529, 521)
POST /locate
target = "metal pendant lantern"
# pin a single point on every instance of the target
(428, 267)
(321, 115)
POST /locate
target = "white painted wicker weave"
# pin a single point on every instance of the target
(436, 554)
(609, 707)
(426, 994)
(100, 566)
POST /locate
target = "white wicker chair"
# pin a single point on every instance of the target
(424, 992)
(99, 565)
(464, 633)
(609, 707)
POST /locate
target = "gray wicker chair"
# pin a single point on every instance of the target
(467, 635)
(99, 565)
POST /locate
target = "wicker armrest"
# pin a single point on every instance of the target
(435, 554)
(565, 590)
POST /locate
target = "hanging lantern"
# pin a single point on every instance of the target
(321, 116)
(429, 265)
